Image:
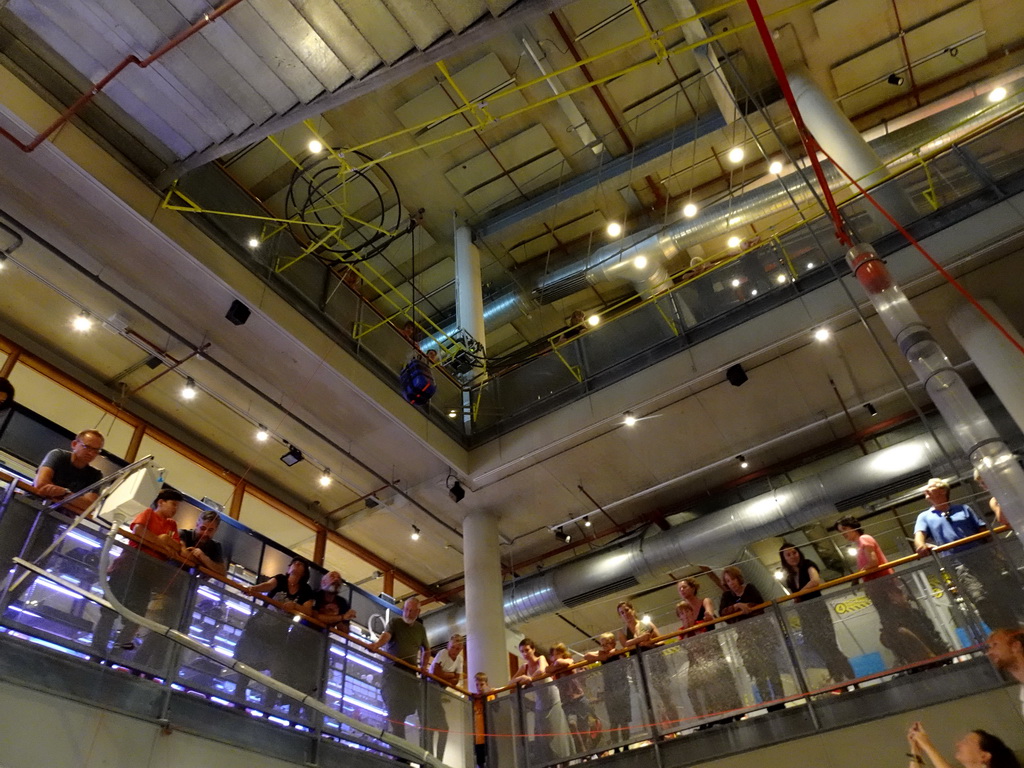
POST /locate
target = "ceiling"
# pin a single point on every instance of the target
(536, 123)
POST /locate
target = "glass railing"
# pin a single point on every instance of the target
(935, 610)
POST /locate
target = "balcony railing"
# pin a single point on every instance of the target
(930, 613)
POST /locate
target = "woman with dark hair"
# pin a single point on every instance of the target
(976, 749)
(709, 681)
(550, 729)
(263, 641)
(803, 580)
(755, 641)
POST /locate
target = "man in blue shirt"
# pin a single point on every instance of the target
(977, 576)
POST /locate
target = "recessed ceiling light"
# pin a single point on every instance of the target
(690, 210)
(316, 147)
(822, 334)
(734, 242)
(997, 94)
(736, 155)
(614, 229)
(775, 168)
(594, 320)
(81, 322)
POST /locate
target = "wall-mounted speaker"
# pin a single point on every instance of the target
(736, 375)
(238, 313)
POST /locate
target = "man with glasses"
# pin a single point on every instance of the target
(62, 473)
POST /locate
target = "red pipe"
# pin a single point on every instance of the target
(85, 98)
(810, 145)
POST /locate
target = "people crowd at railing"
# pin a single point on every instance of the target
(561, 706)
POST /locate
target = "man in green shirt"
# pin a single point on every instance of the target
(404, 638)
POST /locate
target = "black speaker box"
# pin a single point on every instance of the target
(736, 375)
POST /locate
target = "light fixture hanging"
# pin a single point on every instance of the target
(189, 391)
(316, 146)
(870, 408)
(775, 168)
(614, 229)
(690, 210)
(561, 535)
(736, 155)
(586, 522)
(293, 457)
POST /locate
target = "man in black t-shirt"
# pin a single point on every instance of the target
(198, 543)
(62, 473)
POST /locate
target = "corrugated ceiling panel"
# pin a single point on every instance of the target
(540, 172)
(584, 19)
(850, 25)
(947, 31)
(338, 31)
(380, 28)
(316, 56)
(473, 172)
(658, 115)
(257, 37)
(485, 197)
(461, 14)
(421, 20)
(524, 146)
(118, 91)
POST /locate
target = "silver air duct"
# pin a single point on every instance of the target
(715, 539)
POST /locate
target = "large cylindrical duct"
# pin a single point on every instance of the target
(716, 539)
(963, 415)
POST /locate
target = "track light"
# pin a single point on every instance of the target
(325, 478)
(743, 461)
(456, 491)
(561, 535)
(254, 242)
(586, 522)
(316, 147)
(293, 457)
(189, 391)
(415, 535)
(894, 79)
(870, 408)
(779, 575)
(614, 229)
(262, 435)
(851, 551)
(3, 259)
(629, 419)
(997, 94)
(81, 322)
(690, 210)
(822, 334)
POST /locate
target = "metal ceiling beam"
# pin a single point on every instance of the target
(663, 145)
(384, 77)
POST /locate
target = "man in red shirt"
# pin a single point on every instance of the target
(138, 577)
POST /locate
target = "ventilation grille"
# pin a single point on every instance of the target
(585, 597)
(889, 489)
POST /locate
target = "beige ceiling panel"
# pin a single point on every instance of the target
(379, 27)
(850, 25)
(422, 21)
(461, 14)
(272, 523)
(498, 7)
(535, 247)
(657, 116)
(350, 567)
(587, 22)
(968, 53)
(500, 189)
(540, 172)
(338, 31)
(634, 88)
(870, 66)
(579, 227)
(303, 43)
(474, 172)
(481, 78)
(533, 142)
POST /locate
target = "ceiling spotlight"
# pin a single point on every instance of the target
(316, 147)
(690, 210)
(3, 259)
(894, 79)
(735, 155)
(734, 242)
(81, 322)
(775, 168)
(997, 94)
(453, 414)
(456, 491)
(189, 391)
(735, 282)
(743, 461)
(851, 551)
(779, 575)
(781, 279)
(293, 457)
(254, 242)
(415, 535)
(594, 320)
(822, 334)
(325, 478)
(810, 265)
(614, 229)
(586, 522)
(754, 292)
(629, 419)
(640, 262)
(262, 435)
(870, 408)
(561, 535)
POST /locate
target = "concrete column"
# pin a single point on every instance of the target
(485, 615)
(997, 359)
(837, 136)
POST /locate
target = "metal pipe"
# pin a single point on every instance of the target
(969, 424)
